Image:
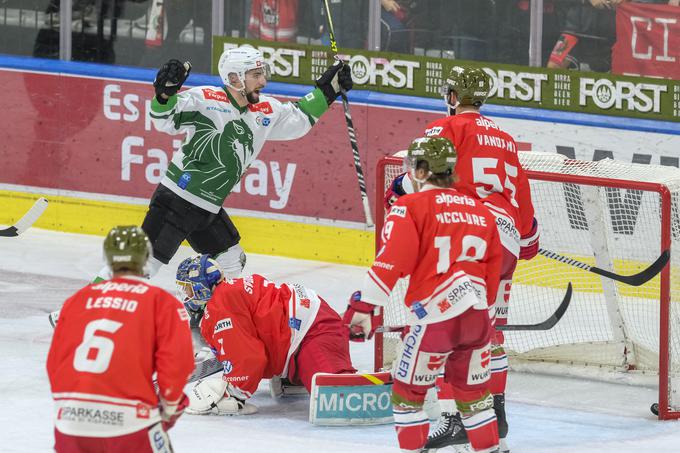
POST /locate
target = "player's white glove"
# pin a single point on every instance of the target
(212, 397)
(359, 318)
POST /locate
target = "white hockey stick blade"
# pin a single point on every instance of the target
(27, 220)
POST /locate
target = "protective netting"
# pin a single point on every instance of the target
(585, 214)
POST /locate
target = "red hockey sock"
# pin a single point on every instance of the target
(412, 427)
(482, 430)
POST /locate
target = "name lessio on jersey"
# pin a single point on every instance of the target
(114, 303)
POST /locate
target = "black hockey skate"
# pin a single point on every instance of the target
(499, 408)
(449, 432)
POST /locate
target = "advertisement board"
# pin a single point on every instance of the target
(513, 85)
(647, 40)
(93, 135)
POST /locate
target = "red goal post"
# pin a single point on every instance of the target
(610, 214)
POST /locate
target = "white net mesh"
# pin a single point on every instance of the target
(585, 216)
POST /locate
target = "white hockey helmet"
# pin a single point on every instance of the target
(240, 60)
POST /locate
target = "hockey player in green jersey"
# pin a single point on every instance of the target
(225, 129)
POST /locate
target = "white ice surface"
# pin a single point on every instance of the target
(39, 269)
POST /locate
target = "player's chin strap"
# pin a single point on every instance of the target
(450, 107)
(421, 182)
(241, 90)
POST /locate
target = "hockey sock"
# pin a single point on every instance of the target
(480, 425)
(410, 420)
(499, 369)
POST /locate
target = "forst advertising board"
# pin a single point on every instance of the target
(635, 97)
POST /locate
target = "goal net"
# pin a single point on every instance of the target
(609, 214)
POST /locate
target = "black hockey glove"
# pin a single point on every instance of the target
(338, 76)
(170, 78)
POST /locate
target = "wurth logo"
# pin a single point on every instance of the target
(436, 362)
(486, 359)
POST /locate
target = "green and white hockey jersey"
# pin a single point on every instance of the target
(223, 139)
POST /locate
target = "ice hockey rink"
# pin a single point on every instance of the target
(40, 269)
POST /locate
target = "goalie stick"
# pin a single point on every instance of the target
(545, 325)
(201, 371)
(27, 220)
(350, 128)
(634, 280)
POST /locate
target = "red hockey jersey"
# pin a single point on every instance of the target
(488, 167)
(254, 326)
(273, 20)
(448, 244)
(110, 339)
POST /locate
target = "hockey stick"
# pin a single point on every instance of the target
(27, 220)
(350, 128)
(201, 371)
(545, 325)
(633, 280)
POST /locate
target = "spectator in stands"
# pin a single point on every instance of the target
(273, 20)
(350, 22)
(393, 18)
(588, 33)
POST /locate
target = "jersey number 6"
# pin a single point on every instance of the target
(103, 347)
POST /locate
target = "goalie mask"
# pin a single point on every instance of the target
(239, 61)
(127, 248)
(196, 278)
(437, 153)
(471, 86)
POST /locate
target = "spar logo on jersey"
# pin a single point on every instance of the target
(91, 416)
(215, 95)
(305, 303)
(223, 324)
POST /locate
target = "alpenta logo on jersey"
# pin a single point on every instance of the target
(448, 199)
(621, 94)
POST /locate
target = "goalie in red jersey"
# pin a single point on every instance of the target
(449, 245)
(258, 330)
(489, 170)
